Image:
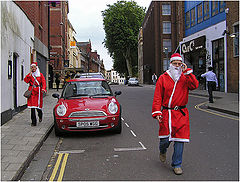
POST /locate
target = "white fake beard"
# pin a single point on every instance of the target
(175, 72)
(36, 73)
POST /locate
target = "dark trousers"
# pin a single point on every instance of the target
(57, 84)
(211, 88)
(33, 115)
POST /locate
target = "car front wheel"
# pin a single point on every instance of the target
(58, 133)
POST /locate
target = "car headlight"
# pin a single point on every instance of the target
(61, 110)
(112, 108)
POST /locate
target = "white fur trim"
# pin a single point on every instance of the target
(176, 58)
(156, 112)
(188, 72)
(163, 136)
(178, 139)
(34, 107)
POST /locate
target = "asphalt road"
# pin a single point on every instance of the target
(212, 154)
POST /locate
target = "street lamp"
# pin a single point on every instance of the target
(166, 52)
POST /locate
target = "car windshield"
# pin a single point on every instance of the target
(86, 88)
(132, 79)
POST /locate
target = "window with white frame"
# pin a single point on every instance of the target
(166, 9)
(167, 43)
(166, 27)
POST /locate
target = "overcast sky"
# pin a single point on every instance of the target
(86, 18)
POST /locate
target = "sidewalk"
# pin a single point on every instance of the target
(20, 141)
(224, 102)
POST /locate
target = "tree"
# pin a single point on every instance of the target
(121, 22)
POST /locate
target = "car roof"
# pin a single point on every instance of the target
(85, 79)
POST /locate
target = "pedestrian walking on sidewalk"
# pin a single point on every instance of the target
(37, 84)
(154, 78)
(169, 108)
(57, 80)
(212, 82)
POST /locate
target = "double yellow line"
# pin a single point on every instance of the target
(56, 167)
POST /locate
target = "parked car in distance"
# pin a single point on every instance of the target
(133, 81)
(89, 75)
(87, 104)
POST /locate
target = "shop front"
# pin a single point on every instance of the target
(194, 53)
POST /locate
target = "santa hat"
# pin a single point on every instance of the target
(34, 64)
(176, 56)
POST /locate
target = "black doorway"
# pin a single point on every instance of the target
(15, 56)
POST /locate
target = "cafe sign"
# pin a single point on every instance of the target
(193, 45)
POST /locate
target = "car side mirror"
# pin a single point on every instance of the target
(118, 93)
(57, 96)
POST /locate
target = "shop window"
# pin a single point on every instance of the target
(167, 43)
(166, 27)
(187, 21)
(200, 13)
(236, 41)
(222, 6)
(206, 9)
(166, 9)
(193, 17)
(214, 7)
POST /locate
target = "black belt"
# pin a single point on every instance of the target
(176, 108)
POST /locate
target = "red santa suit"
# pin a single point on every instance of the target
(169, 94)
(36, 98)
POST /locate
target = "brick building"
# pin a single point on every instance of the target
(58, 37)
(37, 12)
(232, 21)
(85, 50)
(163, 21)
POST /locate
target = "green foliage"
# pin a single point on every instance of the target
(122, 22)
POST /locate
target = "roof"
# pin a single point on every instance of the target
(86, 79)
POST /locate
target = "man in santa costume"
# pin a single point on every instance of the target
(37, 84)
(169, 108)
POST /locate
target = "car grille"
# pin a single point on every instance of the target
(87, 114)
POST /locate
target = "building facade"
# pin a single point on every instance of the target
(205, 41)
(114, 77)
(58, 38)
(232, 27)
(162, 30)
(37, 12)
(17, 44)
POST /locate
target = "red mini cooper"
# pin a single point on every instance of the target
(87, 104)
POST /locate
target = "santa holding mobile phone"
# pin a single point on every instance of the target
(169, 108)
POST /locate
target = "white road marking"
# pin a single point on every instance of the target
(142, 145)
(122, 118)
(133, 133)
(128, 149)
(127, 125)
(72, 151)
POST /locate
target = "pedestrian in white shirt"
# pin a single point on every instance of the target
(154, 78)
(212, 82)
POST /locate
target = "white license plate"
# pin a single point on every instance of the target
(88, 124)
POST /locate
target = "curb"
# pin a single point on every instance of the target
(203, 95)
(223, 110)
(26, 163)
